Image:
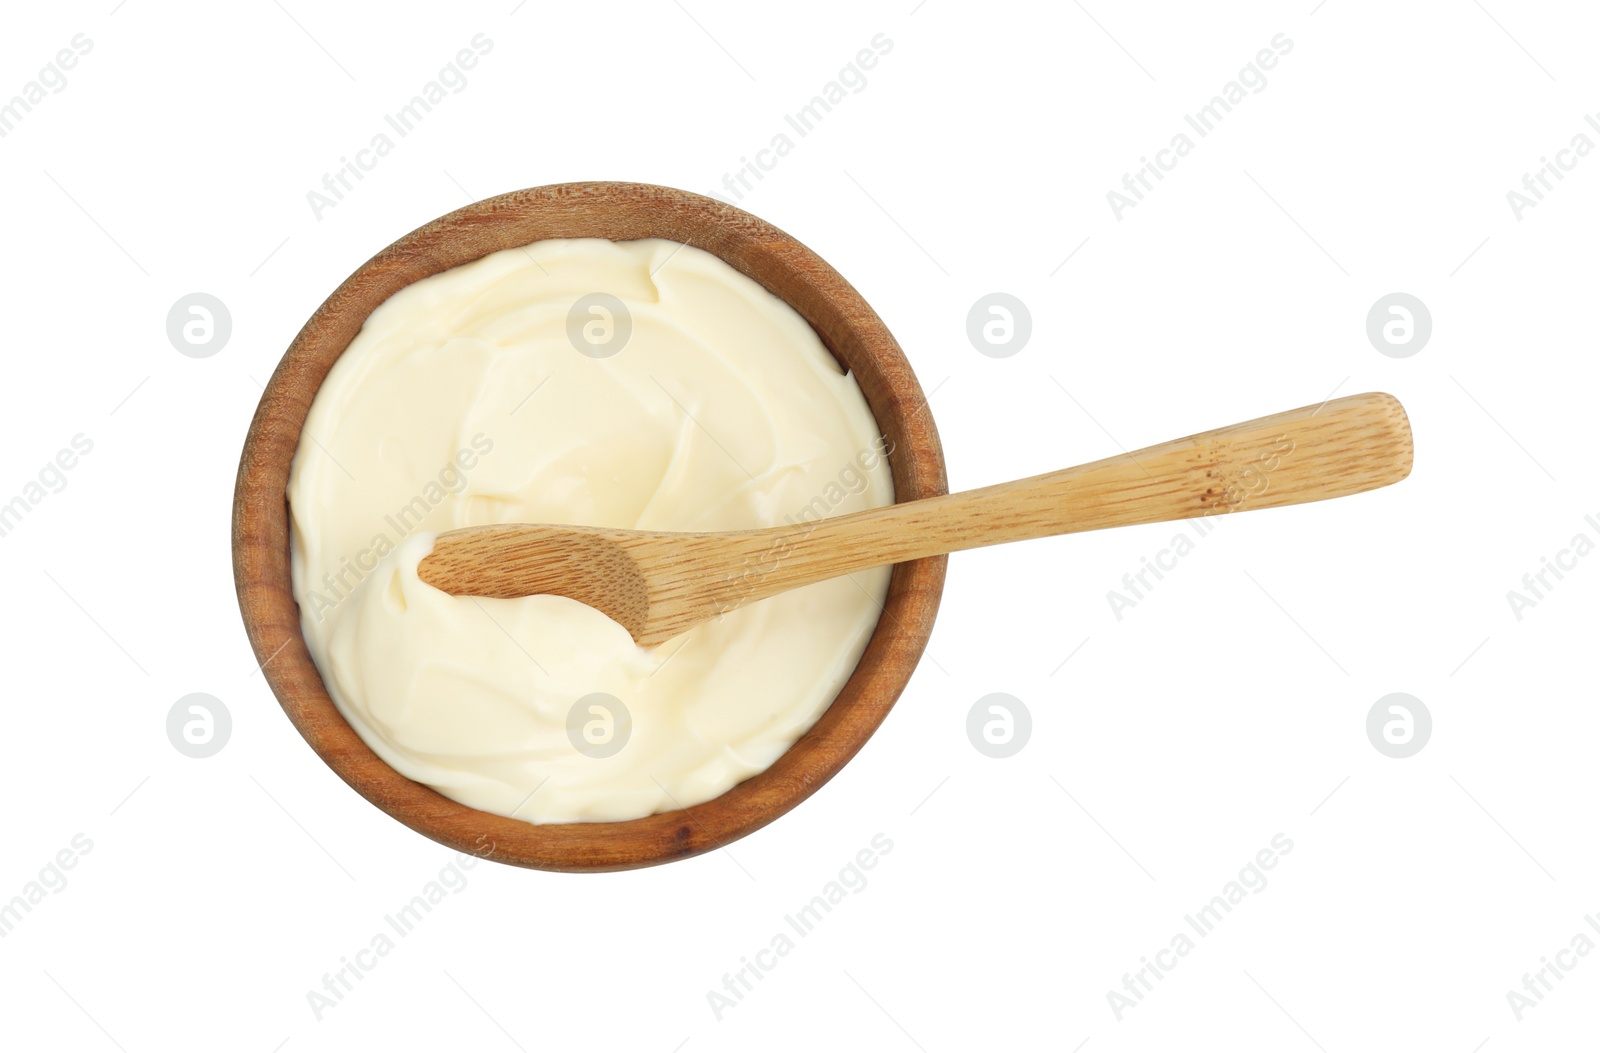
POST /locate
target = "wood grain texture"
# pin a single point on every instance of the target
(660, 584)
(849, 328)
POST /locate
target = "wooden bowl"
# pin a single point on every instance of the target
(620, 212)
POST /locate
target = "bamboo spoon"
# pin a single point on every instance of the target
(657, 585)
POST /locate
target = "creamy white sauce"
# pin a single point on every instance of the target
(464, 401)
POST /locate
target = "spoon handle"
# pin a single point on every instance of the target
(1344, 446)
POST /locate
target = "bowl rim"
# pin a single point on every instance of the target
(619, 211)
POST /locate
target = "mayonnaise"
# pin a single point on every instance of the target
(513, 389)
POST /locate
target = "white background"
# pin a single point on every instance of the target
(1227, 707)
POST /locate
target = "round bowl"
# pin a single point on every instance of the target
(848, 327)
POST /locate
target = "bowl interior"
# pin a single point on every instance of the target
(619, 212)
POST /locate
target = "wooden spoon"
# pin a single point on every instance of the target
(658, 584)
